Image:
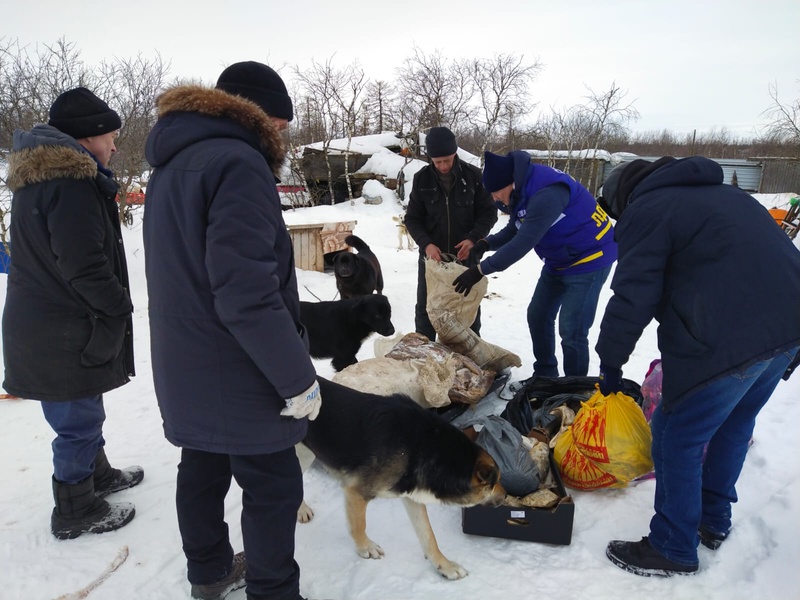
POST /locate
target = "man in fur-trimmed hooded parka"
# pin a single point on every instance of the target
(67, 319)
(232, 373)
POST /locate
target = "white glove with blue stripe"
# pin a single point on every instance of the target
(305, 404)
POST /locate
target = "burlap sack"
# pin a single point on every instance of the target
(451, 315)
(426, 381)
(471, 383)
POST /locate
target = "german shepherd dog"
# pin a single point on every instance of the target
(390, 447)
(357, 274)
(337, 328)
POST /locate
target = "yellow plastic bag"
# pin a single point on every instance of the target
(608, 445)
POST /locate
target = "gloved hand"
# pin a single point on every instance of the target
(464, 282)
(305, 404)
(477, 251)
(610, 380)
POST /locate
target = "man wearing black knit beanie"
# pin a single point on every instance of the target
(448, 211)
(233, 377)
(67, 322)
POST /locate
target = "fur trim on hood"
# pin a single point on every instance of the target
(47, 162)
(216, 103)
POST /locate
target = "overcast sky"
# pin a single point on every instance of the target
(688, 64)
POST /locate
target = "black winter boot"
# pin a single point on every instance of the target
(640, 558)
(78, 510)
(108, 480)
(710, 539)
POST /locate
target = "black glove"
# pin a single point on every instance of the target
(464, 282)
(610, 380)
(477, 251)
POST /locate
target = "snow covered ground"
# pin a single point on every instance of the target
(760, 559)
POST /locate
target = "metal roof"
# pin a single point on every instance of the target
(748, 172)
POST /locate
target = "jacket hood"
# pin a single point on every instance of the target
(44, 153)
(689, 172)
(189, 114)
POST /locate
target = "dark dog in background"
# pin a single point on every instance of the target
(337, 328)
(357, 274)
(390, 447)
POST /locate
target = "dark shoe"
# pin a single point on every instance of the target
(640, 558)
(78, 510)
(232, 581)
(711, 539)
(108, 480)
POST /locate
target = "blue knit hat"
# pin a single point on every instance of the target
(498, 171)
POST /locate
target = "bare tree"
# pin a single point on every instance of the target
(131, 86)
(501, 84)
(321, 86)
(349, 100)
(379, 107)
(785, 120)
(609, 113)
(434, 91)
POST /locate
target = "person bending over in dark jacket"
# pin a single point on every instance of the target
(557, 217)
(448, 211)
(707, 262)
(67, 319)
(233, 377)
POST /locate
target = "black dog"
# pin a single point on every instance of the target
(357, 274)
(337, 328)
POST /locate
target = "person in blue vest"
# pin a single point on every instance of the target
(707, 262)
(557, 217)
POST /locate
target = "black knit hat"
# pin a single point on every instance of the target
(439, 142)
(260, 84)
(81, 114)
(620, 183)
(498, 171)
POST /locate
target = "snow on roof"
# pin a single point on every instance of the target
(363, 144)
(589, 153)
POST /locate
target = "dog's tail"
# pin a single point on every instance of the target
(357, 243)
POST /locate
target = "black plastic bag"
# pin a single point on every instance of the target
(530, 407)
(519, 475)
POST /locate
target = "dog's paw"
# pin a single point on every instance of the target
(451, 570)
(304, 513)
(371, 550)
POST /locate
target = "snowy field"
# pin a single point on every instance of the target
(760, 559)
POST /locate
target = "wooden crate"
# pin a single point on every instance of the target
(313, 240)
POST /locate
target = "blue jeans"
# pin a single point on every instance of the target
(79, 435)
(690, 492)
(576, 296)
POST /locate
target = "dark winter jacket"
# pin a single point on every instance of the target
(226, 340)
(467, 212)
(708, 262)
(571, 237)
(67, 327)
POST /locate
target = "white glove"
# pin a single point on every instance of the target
(305, 404)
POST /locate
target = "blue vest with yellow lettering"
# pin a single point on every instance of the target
(582, 238)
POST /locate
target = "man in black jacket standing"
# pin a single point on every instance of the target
(449, 210)
(67, 320)
(707, 261)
